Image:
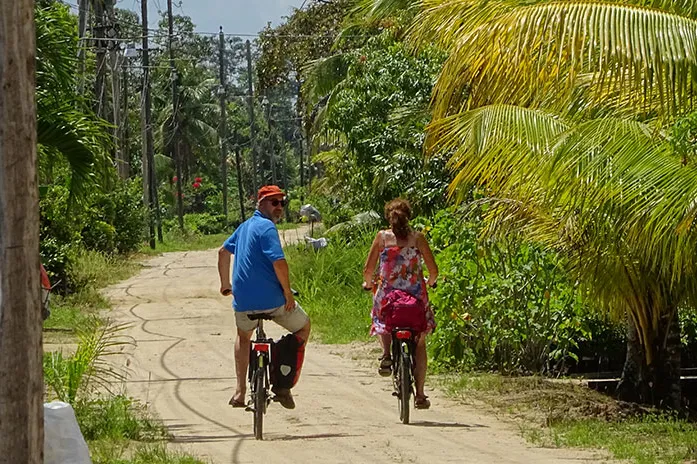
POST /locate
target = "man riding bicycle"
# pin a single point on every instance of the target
(260, 284)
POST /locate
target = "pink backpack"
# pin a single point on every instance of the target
(403, 310)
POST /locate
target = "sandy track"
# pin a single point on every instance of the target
(182, 366)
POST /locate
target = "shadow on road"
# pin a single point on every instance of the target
(447, 425)
(309, 437)
(208, 438)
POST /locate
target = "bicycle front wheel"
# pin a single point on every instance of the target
(404, 387)
(259, 402)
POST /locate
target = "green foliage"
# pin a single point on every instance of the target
(329, 282)
(74, 378)
(107, 222)
(380, 112)
(199, 224)
(504, 305)
(307, 35)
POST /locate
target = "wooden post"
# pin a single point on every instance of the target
(21, 375)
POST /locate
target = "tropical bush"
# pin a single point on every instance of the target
(504, 304)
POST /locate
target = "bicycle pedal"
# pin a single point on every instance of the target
(249, 409)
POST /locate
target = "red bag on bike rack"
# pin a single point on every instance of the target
(403, 310)
(288, 354)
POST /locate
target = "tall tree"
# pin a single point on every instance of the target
(21, 384)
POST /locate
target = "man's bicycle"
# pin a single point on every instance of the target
(259, 373)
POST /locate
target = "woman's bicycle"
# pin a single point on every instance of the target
(403, 352)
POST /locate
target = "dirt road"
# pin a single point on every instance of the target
(182, 366)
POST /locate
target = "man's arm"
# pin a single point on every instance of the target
(224, 271)
(280, 266)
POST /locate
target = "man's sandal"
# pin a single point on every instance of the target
(236, 403)
(421, 402)
(385, 368)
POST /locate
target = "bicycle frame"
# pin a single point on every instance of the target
(258, 375)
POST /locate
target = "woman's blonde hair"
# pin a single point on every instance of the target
(398, 214)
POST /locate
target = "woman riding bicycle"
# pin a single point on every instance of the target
(400, 251)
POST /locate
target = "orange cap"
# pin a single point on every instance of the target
(269, 191)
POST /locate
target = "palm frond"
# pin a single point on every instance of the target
(323, 75)
(495, 143)
(532, 52)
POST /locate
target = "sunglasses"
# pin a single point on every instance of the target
(275, 203)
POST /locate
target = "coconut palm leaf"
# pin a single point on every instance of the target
(534, 55)
(493, 143)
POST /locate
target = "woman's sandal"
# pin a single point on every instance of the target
(421, 402)
(385, 368)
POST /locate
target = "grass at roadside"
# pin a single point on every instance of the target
(109, 452)
(563, 414)
(329, 282)
(176, 241)
(91, 271)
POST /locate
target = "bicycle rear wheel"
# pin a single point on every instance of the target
(404, 387)
(259, 401)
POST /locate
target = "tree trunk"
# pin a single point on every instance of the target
(631, 388)
(657, 383)
(21, 376)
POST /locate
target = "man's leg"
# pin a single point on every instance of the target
(242, 347)
(304, 333)
(290, 321)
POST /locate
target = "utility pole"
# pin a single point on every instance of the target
(101, 48)
(272, 161)
(124, 167)
(115, 55)
(299, 113)
(240, 188)
(252, 133)
(223, 121)
(21, 373)
(148, 152)
(83, 12)
(175, 116)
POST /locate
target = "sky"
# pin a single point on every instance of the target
(236, 16)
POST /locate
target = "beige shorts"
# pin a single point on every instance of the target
(292, 321)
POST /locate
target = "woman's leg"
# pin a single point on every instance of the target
(386, 342)
(420, 367)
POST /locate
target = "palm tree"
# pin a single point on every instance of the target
(66, 127)
(561, 110)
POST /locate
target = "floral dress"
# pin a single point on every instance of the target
(400, 268)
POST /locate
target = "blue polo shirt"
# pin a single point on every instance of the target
(255, 246)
